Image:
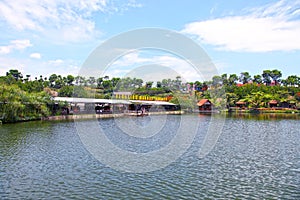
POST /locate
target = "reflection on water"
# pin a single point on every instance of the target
(253, 159)
(264, 116)
(254, 116)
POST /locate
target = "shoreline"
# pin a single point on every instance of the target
(180, 112)
(264, 111)
(106, 116)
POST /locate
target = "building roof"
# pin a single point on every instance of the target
(109, 101)
(153, 102)
(273, 102)
(90, 100)
(122, 93)
(203, 101)
(240, 103)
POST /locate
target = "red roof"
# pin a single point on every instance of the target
(241, 84)
(240, 103)
(273, 102)
(203, 101)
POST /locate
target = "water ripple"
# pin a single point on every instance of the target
(253, 159)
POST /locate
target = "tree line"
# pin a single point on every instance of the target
(25, 97)
(257, 91)
(79, 86)
(268, 77)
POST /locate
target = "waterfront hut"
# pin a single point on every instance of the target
(284, 104)
(89, 105)
(273, 104)
(98, 106)
(288, 104)
(204, 105)
(241, 104)
(155, 106)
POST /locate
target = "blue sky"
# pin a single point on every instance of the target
(42, 37)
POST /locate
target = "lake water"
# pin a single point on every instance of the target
(255, 157)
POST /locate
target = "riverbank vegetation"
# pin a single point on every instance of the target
(23, 97)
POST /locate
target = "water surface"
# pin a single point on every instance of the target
(256, 157)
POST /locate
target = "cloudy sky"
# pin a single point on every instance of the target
(42, 37)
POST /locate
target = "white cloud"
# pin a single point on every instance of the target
(155, 67)
(130, 59)
(15, 45)
(67, 20)
(149, 68)
(56, 62)
(37, 67)
(35, 55)
(5, 49)
(8, 63)
(274, 27)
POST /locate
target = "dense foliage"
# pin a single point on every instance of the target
(18, 105)
(260, 89)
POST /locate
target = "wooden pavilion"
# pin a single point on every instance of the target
(273, 103)
(205, 105)
(241, 104)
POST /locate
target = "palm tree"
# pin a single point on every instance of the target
(245, 77)
(15, 73)
(257, 79)
(276, 75)
(52, 80)
(255, 99)
(217, 81)
(267, 77)
(233, 78)
(91, 81)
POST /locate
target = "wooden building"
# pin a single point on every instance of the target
(273, 104)
(288, 104)
(205, 105)
(241, 104)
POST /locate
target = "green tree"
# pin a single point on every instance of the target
(166, 83)
(257, 79)
(255, 99)
(177, 82)
(291, 80)
(217, 81)
(149, 84)
(158, 84)
(15, 73)
(233, 78)
(115, 81)
(17, 105)
(267, 77)
(91, 81)
(245, 77)
(66, 91)
(138, 82)
(198, 85)
(276, 75)
(231, 99)
(107, 84)
(59, 82)
(52, 80)
(99, 82)
(70, 80)
(224, 79)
